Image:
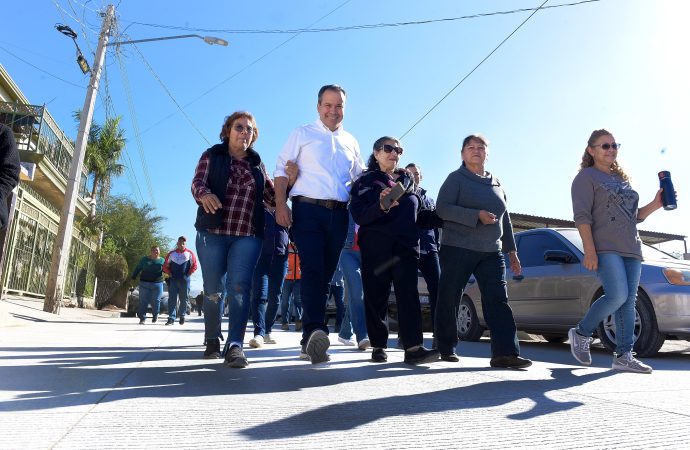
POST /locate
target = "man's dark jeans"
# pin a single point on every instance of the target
(430, 267)
(319, 233)
(489, 268)
(267, 284)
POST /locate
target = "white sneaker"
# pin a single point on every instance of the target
(257, 341)
(268, 339)
(628, 363)
(364, 344)
(347, 342)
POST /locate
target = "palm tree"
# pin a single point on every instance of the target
(103, 150)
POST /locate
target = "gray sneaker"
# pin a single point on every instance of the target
(628, 363)
(316, 347)
(235, 358)
(579, 347)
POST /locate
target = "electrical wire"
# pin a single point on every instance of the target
(252, 63)
(41, 70)
(472, 71)
(356, 27)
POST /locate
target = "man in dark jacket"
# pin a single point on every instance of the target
(180, 264)
(9, 170)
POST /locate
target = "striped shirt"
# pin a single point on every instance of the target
(238, 204)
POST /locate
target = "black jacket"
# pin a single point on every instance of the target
(218, 178)
(9, 169)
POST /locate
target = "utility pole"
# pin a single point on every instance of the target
(61, 248)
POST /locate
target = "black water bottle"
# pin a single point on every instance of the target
(668, 197)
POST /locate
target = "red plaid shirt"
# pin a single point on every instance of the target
(238, 204)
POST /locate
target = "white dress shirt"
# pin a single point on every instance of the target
(328, 161)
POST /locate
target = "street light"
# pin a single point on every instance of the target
(67, 31)
(210, 40)
(58, 265)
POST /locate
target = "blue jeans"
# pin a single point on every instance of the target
(619, 276)
(290, 296)
(355, 317)
(232, 257)
(489, 268)
(319, 233)
(178, 287)
(266, 287)
(150, 292)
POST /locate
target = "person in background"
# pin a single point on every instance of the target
(199, 300)
(389, 242)
(429, 263)
(477, 231)
(354, 320)
(9, 170)
(179, 264)
(290, 294)
(606, 213)
(328, 161)
(336, 289)
(267, 283)
(150, 273)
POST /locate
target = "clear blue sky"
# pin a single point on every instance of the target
(618, 64)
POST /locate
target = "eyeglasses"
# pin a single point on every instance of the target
(607, 146)
(391, 148)
(241, 129)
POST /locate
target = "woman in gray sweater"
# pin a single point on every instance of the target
(606, 215)
(476, 232)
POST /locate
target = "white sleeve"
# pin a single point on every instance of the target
(290, 152)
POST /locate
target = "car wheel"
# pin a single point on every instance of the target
(468, 322)
(555, 338)
(646, 336)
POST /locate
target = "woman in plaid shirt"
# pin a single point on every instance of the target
(230, 186)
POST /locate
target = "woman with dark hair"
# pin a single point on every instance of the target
(230, 185)
(606, 215)
(389, 245)
(477, 231)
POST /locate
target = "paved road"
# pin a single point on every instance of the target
(85, 379)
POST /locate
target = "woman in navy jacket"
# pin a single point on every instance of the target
(389, 243)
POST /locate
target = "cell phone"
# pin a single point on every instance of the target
(395, 193)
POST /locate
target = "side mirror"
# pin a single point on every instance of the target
(560, 256)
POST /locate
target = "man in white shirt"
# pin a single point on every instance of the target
(328, 160)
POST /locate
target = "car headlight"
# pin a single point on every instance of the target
(677, 276)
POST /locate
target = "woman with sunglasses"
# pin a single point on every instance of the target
(606, 214)
(389, 246)
(477, 231)
(231, 186)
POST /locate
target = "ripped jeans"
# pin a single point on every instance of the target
(227, 264)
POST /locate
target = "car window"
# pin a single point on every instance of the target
(648, 252)
(532, 247)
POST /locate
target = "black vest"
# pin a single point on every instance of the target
(218, 178)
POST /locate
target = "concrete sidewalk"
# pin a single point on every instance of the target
(85, 379)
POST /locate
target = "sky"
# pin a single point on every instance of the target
(546, 84)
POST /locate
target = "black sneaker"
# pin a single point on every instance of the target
(420, 356)
(235, 358)
(451, 357)
(142, 321)
(510, 362)
(379, 355)
(155, 319)
(212, 349)
(170, 322)
(181, 320)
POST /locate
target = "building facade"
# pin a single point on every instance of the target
(46, 154)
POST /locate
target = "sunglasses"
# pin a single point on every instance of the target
(241, 129)
(392, 148)
(607, 146)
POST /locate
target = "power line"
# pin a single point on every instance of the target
(472, 71)
(247, 66)
(41, 70)
(357, 27)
